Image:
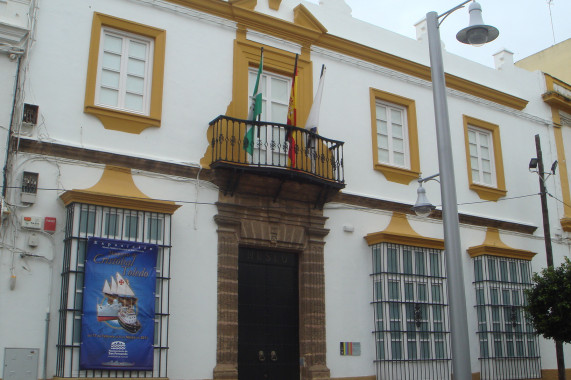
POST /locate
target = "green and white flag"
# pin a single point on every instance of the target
(255, 109)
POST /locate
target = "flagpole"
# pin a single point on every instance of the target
(254, 112)
(292, 116)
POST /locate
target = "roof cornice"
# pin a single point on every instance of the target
(307, 30)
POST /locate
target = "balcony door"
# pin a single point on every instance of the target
(270, 146)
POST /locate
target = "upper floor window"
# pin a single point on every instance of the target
(481, 156)
(484, 159)
(395, 136)
(392, 135)
(125, 74)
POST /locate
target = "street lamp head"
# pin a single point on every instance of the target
(477, 34)
(554, 167)
(533, 163)
(422, 207)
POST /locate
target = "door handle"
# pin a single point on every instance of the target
(273, 356)
(261, 356)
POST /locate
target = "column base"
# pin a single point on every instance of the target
(318, 372)
(225, 372)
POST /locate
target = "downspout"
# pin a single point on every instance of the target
(46, 339)
(8, 150)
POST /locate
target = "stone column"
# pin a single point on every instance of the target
(227, 325)
(312, 307)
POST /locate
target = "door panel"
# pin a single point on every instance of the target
(268, 315)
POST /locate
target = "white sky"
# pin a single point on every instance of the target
(525, 25)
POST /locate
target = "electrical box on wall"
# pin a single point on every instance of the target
(21, 363)
(50, 224)
(29, 187)
(32, 222)
(30, 115)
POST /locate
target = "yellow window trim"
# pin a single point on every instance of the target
(246, 4)
(246, 55)
(494, 246)
(399, 231)
(121, 120)
(486, 192)
(393, 173)
(116, 188)
(275, 4)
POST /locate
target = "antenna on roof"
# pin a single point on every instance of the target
(549, 3)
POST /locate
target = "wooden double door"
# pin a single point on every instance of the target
(268, 315)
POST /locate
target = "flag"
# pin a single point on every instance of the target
(312, 122)
(255, 108)
(292, 116)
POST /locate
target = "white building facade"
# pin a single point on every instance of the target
(127, 123)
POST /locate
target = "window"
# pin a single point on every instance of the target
(411, 312)
(84, 221)
(125, 74)
(395, 137)
(509, 347)
(484, 159)
(481, 156)
(391, 135)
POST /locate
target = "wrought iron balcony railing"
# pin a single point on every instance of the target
(278, 148)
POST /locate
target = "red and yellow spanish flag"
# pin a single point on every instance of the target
(292, 117)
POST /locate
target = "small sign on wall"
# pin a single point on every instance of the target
(350, 348)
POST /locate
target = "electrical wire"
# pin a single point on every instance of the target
(349, 207)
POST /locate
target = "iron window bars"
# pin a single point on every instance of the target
(412, 333)
(84, 221)
(509, 347)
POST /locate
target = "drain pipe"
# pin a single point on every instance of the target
(45, 369)
(8, 150)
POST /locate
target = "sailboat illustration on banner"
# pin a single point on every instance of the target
(120, 304)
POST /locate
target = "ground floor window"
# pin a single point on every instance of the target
(84, 221)
(410, 305)
(509, 347)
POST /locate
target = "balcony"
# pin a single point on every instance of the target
(257, 147)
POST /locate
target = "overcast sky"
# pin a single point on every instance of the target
(525, 25)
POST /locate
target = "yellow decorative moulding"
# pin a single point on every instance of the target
(494, 246)
(399, 231)
(116, 188)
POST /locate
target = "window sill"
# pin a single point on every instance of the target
(398, 175)
(122, 121)
(488, 193)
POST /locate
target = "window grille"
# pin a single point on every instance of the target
(84, 221)
(509, 347)
(410, 294)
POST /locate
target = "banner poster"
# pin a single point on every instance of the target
(117, 326)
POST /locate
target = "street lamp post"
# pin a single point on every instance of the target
(476, 33)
